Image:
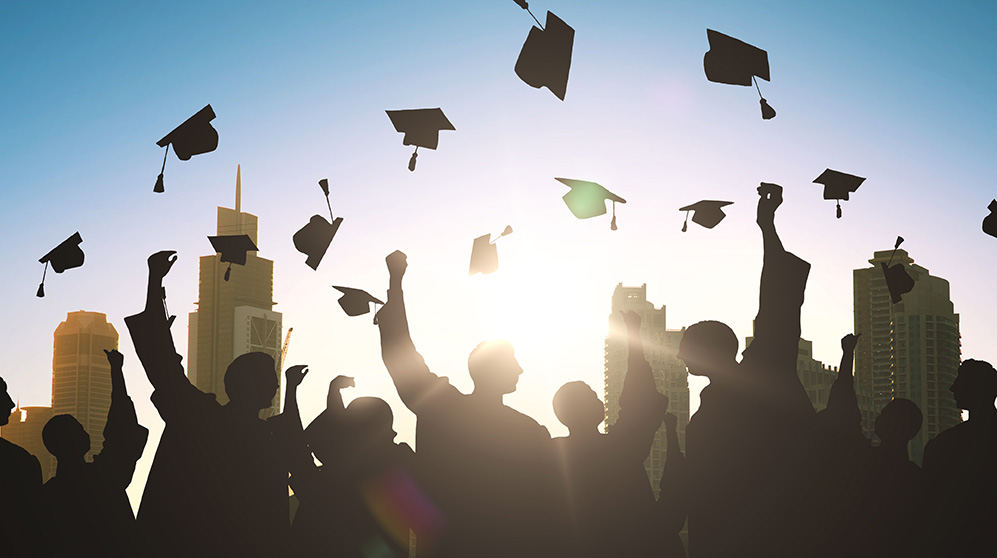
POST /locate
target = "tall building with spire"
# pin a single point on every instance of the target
(910, 349)
(81, 375)
(661, 347)
(233, 316)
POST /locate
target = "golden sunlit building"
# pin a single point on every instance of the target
(910, 349)
(81, 375)
(661, 346)
(233, 317)
(25, 430)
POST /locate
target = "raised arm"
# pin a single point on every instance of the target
(124, 437)
(150, 329)
(412, 378)
(841, 401)
(641, 406)
(287, 425)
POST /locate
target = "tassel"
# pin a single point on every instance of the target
(41, 286)
(839, 210)
(411, 161)
(612, 224)
(158, 188)
(228, 272)
(768, 113)
(685, 225)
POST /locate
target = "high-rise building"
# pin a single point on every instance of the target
(661, 347)
(910, 349)
(81, 375)
(233, 316)
(25, 430)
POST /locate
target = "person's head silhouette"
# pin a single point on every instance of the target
(371, 421)
(708, 349)
(898, 423)
(493, 368)
(578, 407)
(65, 438)
(251, 382)
(6, 404)
(975, 388)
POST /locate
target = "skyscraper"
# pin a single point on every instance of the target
(233, 317)
(910, 349)
(661, 346)
(81, 376)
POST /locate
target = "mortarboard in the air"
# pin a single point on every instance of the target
(421, 128)
(193, 137)
(314, 238)
(66, 255)
(735, 62)
(546, 56)
(990, 221)
(898, 281)
(837, 185)
(707, 213)
(356, 302)
(233, 249)
(484, 253)
(588, 199)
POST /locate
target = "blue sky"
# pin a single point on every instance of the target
(900, 93)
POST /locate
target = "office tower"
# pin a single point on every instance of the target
(25, 430)
(233, 317)
(661, 346)
(910, 349)
(81, 375)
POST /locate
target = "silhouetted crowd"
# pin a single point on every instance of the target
(763, 473)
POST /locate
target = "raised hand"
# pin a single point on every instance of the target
(161, 262)
(770, 198)
(849, 341)
(295, 375)
(115, 359)
(397, 262)
(341, 382)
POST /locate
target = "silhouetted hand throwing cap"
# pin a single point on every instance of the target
(421, 128)
(898, 281)
(546, 56)
(837, 185)
(314, 238)
(66, 255)
(356, 302)
(233, 249)
(193, 137)
(990, 221)
(735, 62)
(588, 199)
(484, 253)
(706, 213)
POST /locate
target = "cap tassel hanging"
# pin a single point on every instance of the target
(768, 113)
(158, 188)
(324, 184)
(375, 312)
(41, 286)
(900, 240)
(612, 224)
(839, 210)
(685, 225)
(411, 161)
(228, 272)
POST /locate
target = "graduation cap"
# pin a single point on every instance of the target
(233, 249)
(314, 238)
(990, 221)
(588, 199)
(546, 55)
(66, 255)
(707, 213)
(837, 185)
(484, 253)
(898, 281)
(735, 62)
(421, 128)
(356, 302)
(193, 137)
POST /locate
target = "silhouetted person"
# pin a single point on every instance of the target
(88, 509)
(673, 504)
(20, 493)
(218, 485)
(960, 466)
(750, 414)
(351, 505)
(610, 502)
(489, 469)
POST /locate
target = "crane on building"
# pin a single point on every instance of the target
(287, 341)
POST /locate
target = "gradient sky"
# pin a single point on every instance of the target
(900, 93)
